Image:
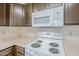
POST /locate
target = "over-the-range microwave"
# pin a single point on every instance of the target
(48, 18)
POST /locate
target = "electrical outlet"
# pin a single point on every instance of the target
(3, 32)
(74, 33)
(70, 33)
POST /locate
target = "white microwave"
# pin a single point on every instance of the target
(49, 18)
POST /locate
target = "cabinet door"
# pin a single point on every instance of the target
(72, 13)
(16, 14)
(37, 7)
(52, 5)
(2, 14)
(42, 6)
(7, 13)
(28, 14)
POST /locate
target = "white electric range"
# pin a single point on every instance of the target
(47, 44)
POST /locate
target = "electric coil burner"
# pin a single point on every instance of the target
(35, 45)
(54, 44)
(54, 50)
(39, 41)
(47, 44)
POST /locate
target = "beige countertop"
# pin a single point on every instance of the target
(16, 40)
(71, 44)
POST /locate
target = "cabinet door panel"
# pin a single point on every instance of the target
(2, 14)
(52, 5)
(37, 7)
(17, 14)
(28, 14)
(72, 13)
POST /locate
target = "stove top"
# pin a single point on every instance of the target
(47, 43)
(47, 47)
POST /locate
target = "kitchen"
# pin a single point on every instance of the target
(17, 29)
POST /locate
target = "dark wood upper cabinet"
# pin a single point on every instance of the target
(20, 15)
(28, 14)
(43, 6)
(16, 15)
(3, 14)
(38, 7)
(72, 14)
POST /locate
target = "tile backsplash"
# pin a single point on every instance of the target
(71, 31)
(10, 32)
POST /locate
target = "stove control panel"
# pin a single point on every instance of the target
(50, 35)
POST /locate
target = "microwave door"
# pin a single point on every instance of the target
(43, 21)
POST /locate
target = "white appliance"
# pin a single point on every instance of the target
(49, 18)
(47, 44)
